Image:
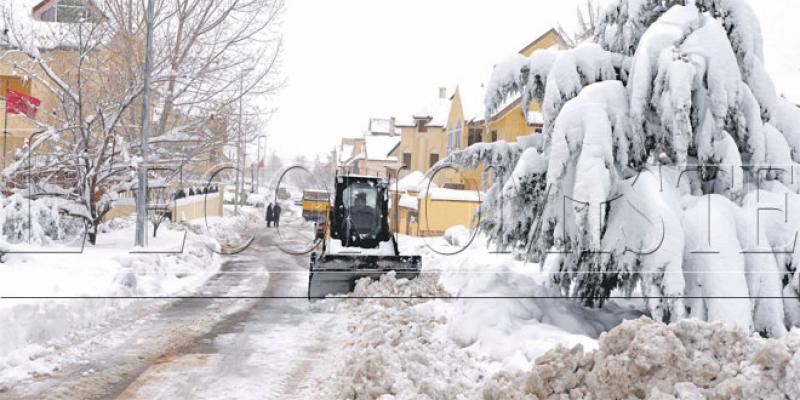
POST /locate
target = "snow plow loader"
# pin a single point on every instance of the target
(359, 243)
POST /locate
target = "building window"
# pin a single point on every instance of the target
(454, 185)
(48, 15)
(458, 138)
(66, 11)
(434, 159)
(421, 125)
(474, 136)
(450, 141)
(453, 140)
(538, 130)
(494, 136)
(407, 159)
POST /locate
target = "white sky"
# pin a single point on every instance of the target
(348, 60)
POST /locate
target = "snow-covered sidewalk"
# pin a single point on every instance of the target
(62, 297)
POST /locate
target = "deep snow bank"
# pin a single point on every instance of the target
(502, 309)
(641, 358)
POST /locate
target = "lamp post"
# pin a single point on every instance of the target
(240, 147)
(261, 156)
(141, 194)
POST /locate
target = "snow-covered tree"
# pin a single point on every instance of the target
(587, 17)
(665, 169)
(207, 56)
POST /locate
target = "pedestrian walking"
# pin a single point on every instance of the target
(270, 215)
(276, 215)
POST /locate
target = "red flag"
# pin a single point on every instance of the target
(21, 103)
(261, 164)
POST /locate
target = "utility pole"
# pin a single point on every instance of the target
(262, 154)
(141, 193)
(240, 148)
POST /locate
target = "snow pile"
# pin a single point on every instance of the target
(411, 341)
(457, 235)
(504, 312)
(395, 347)
(645, 359)
(230, 230)
(425, 286)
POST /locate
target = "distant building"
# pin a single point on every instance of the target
(368, 153)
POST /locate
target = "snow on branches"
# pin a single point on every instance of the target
(667, 166)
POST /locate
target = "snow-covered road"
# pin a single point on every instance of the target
(211, 347)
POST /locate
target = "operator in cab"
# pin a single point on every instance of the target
(364, 218)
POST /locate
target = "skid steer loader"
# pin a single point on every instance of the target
(359, 243)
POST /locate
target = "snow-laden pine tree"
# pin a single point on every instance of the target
(667, 167)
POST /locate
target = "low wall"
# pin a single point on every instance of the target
(198, 206)
(188, 208)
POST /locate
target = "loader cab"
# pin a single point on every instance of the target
(360, 211)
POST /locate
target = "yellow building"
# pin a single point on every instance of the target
(467, 124)
(103, 76)
(509, 122)
(17, 127)
(432, 212)
(457, 121)
(423, 141)
(449, 124)
(16, 69)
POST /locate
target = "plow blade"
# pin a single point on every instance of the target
(338, 273)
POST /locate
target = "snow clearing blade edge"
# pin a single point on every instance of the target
(337, 273)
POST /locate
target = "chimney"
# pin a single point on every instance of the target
(391, 126)
(442, 92)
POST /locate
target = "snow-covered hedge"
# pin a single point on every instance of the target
(666, 167)
(45, 225)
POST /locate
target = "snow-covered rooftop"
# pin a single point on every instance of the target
(535, 118)
(345, 152)
(437, 110)
(409, 201)
(383, 126)
(16, 16)
(415, 181)
(472, 101)
(352, 135)
(378, 147)
(359, 156)
(453, 195)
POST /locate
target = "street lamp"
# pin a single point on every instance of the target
(240, 146)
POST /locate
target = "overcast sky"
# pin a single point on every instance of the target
(347, 60)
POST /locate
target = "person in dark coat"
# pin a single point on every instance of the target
(270, 215)
(276, 215)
